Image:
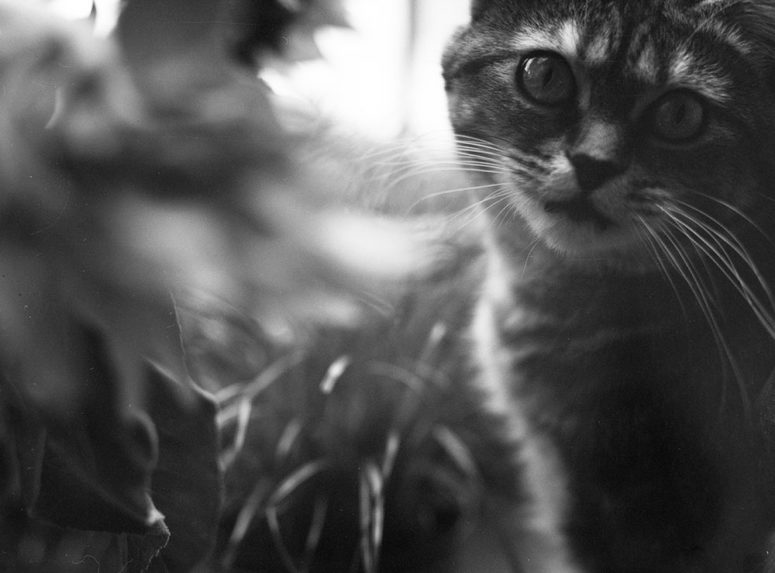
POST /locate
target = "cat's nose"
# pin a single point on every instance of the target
(591, 172)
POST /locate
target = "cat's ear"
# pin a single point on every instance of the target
(757, 19)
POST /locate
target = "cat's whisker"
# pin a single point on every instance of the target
(407, 163)
(465, 217)
(711, 247)
(706, 303)
(721, 233)
(390, 179)
(480, 153)
(455, 191)
(479, 147)
(404, 159)
(395, 153)
(715, 252)
(507, 212)
(721, 236)
(396, 182)
(462, 139)
(699, 288)
(491, 201)
(423, 145)
(474, 211)
(655, 246)
(532, 247)
(730, 236)
(479, 167)
(475, 208)
(505, 144)
(409, 172)
(529, 161)
(402, 155)
(474, 159)
(737, 211)
(766, 197)
(455, 163)
(680, 262)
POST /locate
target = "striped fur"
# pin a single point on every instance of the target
(626, 329)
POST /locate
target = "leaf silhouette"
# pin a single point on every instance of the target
(96, 469)
(186, 482)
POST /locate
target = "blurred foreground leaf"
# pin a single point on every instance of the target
(137, 173)
(284, 26)
(186, 483)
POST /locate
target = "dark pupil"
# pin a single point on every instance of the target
(680, 117)
(680, 114)
(546, 80)
(546, 69)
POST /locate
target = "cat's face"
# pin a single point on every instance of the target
(615, 125)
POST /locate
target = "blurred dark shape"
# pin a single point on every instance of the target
(135, 171)
(260, 26)
(371, 450)
(186, 484)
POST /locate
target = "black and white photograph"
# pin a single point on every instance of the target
(387, 286)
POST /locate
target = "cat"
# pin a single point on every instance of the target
(625, 325)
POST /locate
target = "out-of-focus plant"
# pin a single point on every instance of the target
(135, 171)
(280, 26)
(373, 453)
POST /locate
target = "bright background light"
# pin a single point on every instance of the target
(381, 79)
(107, 12)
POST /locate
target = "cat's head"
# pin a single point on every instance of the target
(615, 126)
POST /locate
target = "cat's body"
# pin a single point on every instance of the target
(630, 145)
(637, 443)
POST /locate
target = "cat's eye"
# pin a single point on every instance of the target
(678, 116)
(546, 78)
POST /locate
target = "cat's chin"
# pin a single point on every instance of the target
(593, 240)
(619, 254)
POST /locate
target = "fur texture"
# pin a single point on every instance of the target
(626, 325)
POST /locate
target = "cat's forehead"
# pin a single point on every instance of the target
(656, 43)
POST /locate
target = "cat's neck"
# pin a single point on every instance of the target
(519, 260)
(529, 286)
(521, 264)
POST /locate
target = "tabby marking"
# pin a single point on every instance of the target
(627, 324)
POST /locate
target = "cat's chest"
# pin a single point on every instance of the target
(569, 345)
(592, 326)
